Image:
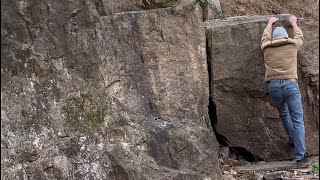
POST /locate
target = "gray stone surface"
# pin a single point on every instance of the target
(110, 7)
(272, 165)
(275, 175)
(212, 10)
(85, 96)
(244, 111)
(285, 170)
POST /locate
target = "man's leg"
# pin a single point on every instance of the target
(286, 121)
(278, 101)
(296, 113)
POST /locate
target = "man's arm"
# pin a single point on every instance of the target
(297, 32)
(266, 35)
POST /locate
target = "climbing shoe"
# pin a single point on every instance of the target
(303, 162)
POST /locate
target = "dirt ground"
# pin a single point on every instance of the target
(277, 170)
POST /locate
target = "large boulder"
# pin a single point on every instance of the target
(85, 96)
(245, 114)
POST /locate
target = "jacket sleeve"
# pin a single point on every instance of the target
(266, 37)
(298, 36)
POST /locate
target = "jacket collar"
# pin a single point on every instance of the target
(279, 42)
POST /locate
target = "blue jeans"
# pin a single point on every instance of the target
(285, 96)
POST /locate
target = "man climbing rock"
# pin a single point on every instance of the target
(280, 57)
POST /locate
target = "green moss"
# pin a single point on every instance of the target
(95, 117)
(27, 125)
(83, 115)
(73, 116)
(165, 4)
(315, 167)
(22, 54)
(171, 3)
(24, 113)
(86, 97)
(28, 120)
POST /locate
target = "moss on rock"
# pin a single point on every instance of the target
(83, 115)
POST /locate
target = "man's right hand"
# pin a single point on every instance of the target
(293, 20)
(273, 20)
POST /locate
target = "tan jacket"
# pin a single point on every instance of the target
(280, 55)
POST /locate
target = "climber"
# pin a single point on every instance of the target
(280, 57)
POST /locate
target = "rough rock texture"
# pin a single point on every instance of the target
(111, 7)
(120, 97)
(244, 111)
(211, 8)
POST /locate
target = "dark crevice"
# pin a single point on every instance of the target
(223, 141)
(238, 152)
(242, 153)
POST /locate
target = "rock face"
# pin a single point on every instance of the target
(244, 111)
(89, 96)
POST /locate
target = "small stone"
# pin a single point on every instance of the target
(142, 147)
(304, 170)
(252, 176)
(276, 175)
(231, 161)
(228, 177)
(224, 152)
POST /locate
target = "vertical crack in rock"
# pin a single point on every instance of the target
(212, 107)
(222, 140)
(240, 152)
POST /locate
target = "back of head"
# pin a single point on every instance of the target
(279, 32)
